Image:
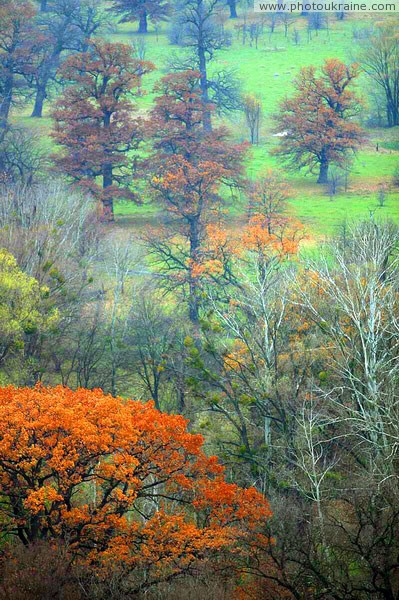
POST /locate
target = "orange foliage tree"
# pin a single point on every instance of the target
(93, 120)
(271, 230)
(188, 168)
(125, 485)
(317, 119)
(269, 236)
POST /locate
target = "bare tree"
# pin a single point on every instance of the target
(355, 305)
(120, 257)
(379, 57)
(203, 36)
(253, 114)
(22, 160)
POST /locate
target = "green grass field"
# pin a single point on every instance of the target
(268, 73)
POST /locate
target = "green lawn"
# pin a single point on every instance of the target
(268, 72)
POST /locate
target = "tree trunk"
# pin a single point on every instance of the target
(5, 104)
(392, 114)
(193, 285)
(233, 8)
(39, 101)
(107, 214)
(323, 174)
(44, 77)
(206, 119)
(107, 210)
(143, 25)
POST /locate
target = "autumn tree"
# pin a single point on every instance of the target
(271, 231)
(379, 58)
(318, 119)
(94, 123)
(126, 486)
(15, 53)
(188, 167)
(141, 11)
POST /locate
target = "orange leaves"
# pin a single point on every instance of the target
(282, 238)
(188, 165)
(239, 355)
(270, 228)
(41, 499)
(116, 477)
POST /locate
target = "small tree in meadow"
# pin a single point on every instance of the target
(253, 116)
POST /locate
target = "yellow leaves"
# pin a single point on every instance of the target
(22, 311)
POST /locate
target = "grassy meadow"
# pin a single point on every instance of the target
(267, 72)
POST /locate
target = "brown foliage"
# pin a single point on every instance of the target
(94, 123)
(318, 119)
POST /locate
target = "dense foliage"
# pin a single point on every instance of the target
(124, 485)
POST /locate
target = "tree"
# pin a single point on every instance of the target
(151, 338)
(94, 122)
(52, 231)
(287, 20)
(271, 233)
(201, 34)
(90, 19)
(356, 298)
(23, 309)
(56, 33)
(126, 486)
(15, 53)
(268, 196)
(253, 116)
(141, 11)
(65, 26)
(188, 167)
(318, 119)
(379, 58)
(232, 4)
(22, 159)
(120, 257)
